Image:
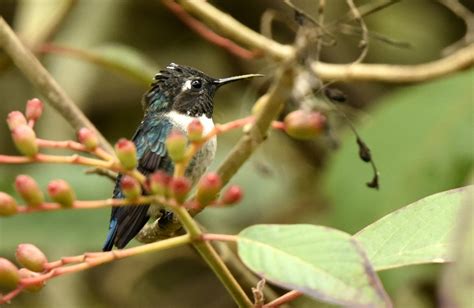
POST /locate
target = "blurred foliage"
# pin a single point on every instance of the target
(420, 136)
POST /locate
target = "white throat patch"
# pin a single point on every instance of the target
(183, 121)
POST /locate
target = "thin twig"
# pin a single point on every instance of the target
(458, 60)
(468, 17)
(209, 254)
(235, 30)
(207, 33)
(364, 42)
(90, 260)
(95, 204)
(44, 82)
(285, 298)
(319, 44)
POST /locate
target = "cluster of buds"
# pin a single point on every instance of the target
(33, 261)
(160, 183)
(304, 125)
(28, 189)
(21, 129)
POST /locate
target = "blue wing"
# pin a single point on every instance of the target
(127, 221)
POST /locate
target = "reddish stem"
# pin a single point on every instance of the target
(219, 237)
(95, 204)
(207, 33)
(285, 298)
(89, 260)
(74, 146)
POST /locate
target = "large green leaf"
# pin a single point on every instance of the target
(418, 233)
(323, 263)
(457, 283)
(421, 139)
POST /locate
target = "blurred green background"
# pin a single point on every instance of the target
(420, 136)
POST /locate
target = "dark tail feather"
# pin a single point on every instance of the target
(130, 224)
(109, 242)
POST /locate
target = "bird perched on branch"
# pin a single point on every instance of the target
(178, 95)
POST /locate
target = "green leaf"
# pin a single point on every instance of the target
(421, 140)
(418, 233)
(457, 283)
(122, 59)
(323, 263)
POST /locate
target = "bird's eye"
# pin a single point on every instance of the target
(196, 84)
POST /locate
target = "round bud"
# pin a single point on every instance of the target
(35, 287)
(34, 109)
(9, 276)
(61, 192)
(126, 153)
(179, 188)
(28, 189)
(208, 188)
(87, 138)
(158, 183)
(232, 195)
(176, 145)
(7, 205)
(195, 131)
(130, 187)
(304, 125)
(24, 139)
(31, 257)
(14, 119)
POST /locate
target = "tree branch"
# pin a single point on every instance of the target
(44, 82)
(235, 30)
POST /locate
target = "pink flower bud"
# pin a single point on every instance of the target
(176, 145)
(179, 187)
(304, 125)
(232, 195)
(31, 257)
(130, 187)
(25, 274)
(61, 192)
(126, 153)
(9, 276)
(208, 188)
(195, 131)
(25, 140)
(34, 109)
(28, 189)
(7, 205)
(15, 118)
(87, 138)
(158, 183)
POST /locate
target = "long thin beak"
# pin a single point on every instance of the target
(222, 81)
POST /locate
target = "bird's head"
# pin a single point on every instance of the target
(185, 90)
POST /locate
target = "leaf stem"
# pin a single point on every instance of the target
(209, 254)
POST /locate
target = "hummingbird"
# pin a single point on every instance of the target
(178, 95)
